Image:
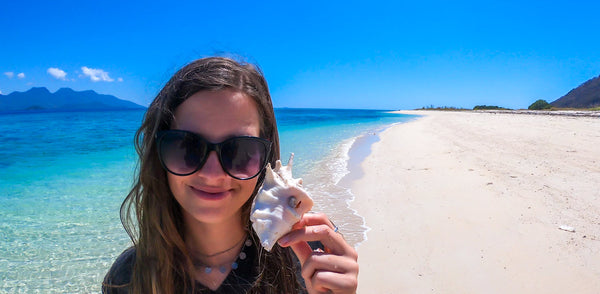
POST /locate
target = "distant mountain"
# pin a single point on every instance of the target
(64, 99)
(587, 95)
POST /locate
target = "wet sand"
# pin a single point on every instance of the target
(465, 202)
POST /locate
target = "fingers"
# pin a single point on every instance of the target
(328, 262)
(315, 227)
(331, 282)
(334, 243)
(311, 219)
(334, 270)
(302, 251)
(330, 273)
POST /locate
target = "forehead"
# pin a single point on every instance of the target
(218, 115)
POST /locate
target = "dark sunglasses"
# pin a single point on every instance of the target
(183, 153)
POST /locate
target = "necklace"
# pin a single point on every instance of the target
(225, 266)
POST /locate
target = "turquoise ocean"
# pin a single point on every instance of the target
(63, 176)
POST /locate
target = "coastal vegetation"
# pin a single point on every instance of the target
(447, 108)
(489, 107)
(540, 104)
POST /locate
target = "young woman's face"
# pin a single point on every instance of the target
(210, 195)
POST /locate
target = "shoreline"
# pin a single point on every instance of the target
(573, 113)
(330, 184)
(323, 185)
(357, 153)
(359, 150)
(473, 202)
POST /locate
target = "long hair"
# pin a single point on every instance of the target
(151, 215)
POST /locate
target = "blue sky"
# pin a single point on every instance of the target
(380, 55)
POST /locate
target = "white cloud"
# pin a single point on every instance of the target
(57, 73)
(0, 92)
(21, 76)
(96, 74)
(120, 79)
(9, 74)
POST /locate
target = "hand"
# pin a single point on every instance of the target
(334, 270)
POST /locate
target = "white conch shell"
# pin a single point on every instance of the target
(279, 204)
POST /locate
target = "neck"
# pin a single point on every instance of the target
(207, 241)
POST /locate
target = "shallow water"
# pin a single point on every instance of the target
(64, 175)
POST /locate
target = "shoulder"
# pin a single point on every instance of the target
(118, 277)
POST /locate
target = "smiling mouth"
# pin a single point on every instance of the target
(210, 195)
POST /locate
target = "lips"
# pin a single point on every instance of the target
(209, 193)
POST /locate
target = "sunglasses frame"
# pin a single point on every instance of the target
(211, 147)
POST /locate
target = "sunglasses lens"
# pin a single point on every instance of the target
(244, 158)
(181, 153)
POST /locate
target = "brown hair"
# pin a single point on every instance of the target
(162, 262)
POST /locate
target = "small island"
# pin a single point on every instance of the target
(40, 99)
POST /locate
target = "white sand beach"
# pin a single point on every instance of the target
(466, 202)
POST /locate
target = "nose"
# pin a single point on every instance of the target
(212, 168)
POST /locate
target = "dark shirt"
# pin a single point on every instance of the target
(239, 280)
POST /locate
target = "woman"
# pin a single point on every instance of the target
(203, 146)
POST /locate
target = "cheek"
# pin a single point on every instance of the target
(174, 184)
(247, 188)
